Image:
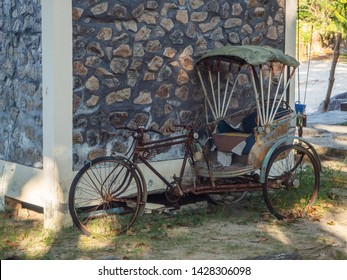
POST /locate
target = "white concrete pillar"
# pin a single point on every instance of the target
(57, 109)
(290, 39)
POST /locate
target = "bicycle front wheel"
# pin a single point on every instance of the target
(292, 181)
(106, 196)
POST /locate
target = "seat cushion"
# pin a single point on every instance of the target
(226, 142)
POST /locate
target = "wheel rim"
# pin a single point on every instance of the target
(105, 197)
(292, 182)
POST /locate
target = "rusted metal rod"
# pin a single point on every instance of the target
(224, 188)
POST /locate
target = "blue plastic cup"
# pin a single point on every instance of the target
(300, 108)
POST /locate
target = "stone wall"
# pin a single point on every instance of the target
(21, 82)
(133, 62)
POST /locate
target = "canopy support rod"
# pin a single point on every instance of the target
(225, 92)
(256, 93)
(262, 92)
(206, 96)
(284, 91)
(231, 94)
(277, 90)
(213, 93)
(219, 107)
(268, 95)
(206, 111)
(226, 89)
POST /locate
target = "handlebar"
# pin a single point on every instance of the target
(194, 125)
(140, 129)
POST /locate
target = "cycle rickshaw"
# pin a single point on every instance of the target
(249, 150)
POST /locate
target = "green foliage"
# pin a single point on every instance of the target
(332, 182)
(340, 255)
(323, 15)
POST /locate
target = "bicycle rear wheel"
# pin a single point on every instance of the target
(106, 196)
(292, 181)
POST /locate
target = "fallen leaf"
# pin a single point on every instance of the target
(12, 244)
(266, 218)
(260, 240)
(315, 218)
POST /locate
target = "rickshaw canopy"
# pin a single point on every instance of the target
(218, 94)
(253, 55)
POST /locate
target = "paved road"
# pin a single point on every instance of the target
(325, 133)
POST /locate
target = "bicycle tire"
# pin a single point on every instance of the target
(292, 181)
(106, 196)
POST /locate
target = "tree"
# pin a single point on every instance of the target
(326, 16)
(332, 73)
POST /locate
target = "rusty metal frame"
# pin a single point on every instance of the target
(142, 154)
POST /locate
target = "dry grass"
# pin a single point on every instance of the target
(240, 231)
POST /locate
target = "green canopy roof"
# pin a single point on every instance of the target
(254, 55)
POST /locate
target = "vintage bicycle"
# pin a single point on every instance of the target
(253, 149)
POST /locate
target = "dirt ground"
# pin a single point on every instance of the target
(241, 233)
(323, 236)
(318, 238)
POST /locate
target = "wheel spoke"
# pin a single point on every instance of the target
(292, 181)
(106, 196)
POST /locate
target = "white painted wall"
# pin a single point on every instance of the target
(57, 104)
(49, 187)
